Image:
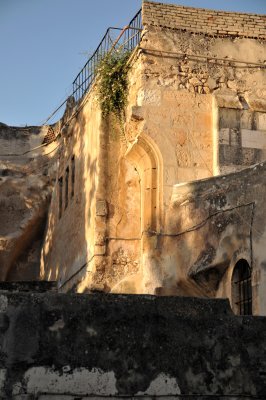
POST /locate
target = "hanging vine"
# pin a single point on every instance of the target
(113, 84)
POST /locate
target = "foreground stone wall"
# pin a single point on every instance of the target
(114, 346)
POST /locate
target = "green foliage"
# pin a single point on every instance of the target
(113, 84)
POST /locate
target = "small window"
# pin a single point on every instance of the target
(242, 288)
(72, 176)
(66, 187)
(60, 196)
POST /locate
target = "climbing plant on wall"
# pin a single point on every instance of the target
(113, 84)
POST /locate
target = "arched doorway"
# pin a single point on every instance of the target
(146, 159)
(242, 288)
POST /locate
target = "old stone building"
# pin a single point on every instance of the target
(166, 199)
(172, 202)
(149, 210)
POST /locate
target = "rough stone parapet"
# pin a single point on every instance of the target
(79, 346)
(29, 286)
(201, 20)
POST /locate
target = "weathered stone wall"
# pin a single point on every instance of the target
(18, 140)
(120, 224)
(204, 20)
(188, 94)
(189, 85)
(189, 82)
(212, 224)
(71, 241)
(242, 135)
(209, 225)
(101, 223)
(88, 346)
(26, 181)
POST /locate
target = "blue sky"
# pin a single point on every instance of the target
(44, 44)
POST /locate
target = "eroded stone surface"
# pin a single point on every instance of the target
(145, 346)
(26, 181)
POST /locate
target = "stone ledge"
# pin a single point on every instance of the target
(125, 345)
(29, 286)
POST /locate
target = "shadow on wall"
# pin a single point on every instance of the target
(69, 243)
(23, 207)
(25, 264)
(209, 227)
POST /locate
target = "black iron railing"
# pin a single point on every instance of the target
(115, 39)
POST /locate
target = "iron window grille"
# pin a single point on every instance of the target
(242, 288)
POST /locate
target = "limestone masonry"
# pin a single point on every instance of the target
(167, 201)
(205, 21)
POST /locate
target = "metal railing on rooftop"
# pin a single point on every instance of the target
(115, 39)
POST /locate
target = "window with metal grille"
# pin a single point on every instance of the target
(66, 187)
(242, 288)
(72, 176)
(60, 195)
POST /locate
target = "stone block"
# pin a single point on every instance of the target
(256, 104)
(211, 83)
(101, 208)
(99, 250)
(137, 113)
(261, 121)
(224, 137)
(228, 101)
(253, 139)
(149, 97)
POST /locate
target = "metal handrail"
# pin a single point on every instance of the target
(85, 77)
(99, 46)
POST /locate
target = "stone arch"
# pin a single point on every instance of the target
(146, 158)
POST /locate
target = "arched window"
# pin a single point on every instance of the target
(242, 289)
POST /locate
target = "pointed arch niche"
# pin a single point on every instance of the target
(146, 158)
